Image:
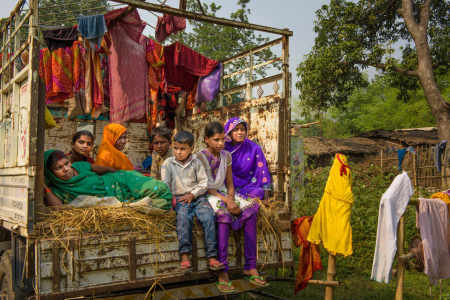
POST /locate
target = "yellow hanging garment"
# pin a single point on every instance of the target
(331, 223)
(49, 121)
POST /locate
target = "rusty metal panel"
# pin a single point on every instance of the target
(104, 260)
(23, 136)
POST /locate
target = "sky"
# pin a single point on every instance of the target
(297, 15)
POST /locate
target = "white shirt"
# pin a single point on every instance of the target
(392, 206)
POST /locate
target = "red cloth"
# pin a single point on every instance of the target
(183, 66)
(168, 25)
(128, 68)
(309, 258)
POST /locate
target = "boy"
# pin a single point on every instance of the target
(186, 177)
(160, 140)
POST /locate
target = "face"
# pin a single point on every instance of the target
(160, 145)
(239, 133)
(181, 151)
(216, 142)
(83, 145)
(63, 169)
(121, 142)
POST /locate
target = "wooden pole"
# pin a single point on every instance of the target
(331, 271)
(401, 266)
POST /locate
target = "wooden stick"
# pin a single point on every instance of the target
(401, 266)
(331, 271)
(324, 282)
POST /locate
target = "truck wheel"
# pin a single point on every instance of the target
(6, 281)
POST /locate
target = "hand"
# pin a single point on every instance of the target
(231, 205)
(187, 198)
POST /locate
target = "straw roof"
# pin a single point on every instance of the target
(318, 146)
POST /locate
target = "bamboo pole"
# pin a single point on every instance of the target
(401, 266)
(331, 271)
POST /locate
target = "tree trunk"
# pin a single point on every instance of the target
(439, 107)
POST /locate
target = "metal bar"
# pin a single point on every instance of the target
(198, 17)
(19, 26)
(254, 50)
(21, 49)
(132, 259)
(254, 83)
(254, 67)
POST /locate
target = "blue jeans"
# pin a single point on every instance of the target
(201, 208)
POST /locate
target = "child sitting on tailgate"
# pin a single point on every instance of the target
(186, 177)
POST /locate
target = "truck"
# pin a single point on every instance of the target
(122, 263)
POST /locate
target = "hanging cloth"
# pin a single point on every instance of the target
(392, 206)
(60, 38)
(309, 259)
(55, 68)
(438, 151)
(208, 86)
(183, 66)
(331, 224)
(92, 28)
(128, 67)
(433, 224)
(168, 25)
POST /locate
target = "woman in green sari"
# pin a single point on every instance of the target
(66, 181)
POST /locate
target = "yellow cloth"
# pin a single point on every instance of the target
(443, 196)
(108, 155)
(49, 121)
(331, 223)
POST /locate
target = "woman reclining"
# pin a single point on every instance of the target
(66, 181)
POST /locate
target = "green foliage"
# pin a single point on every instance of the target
(353, 35)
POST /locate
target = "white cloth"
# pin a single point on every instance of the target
(392, 206)
(433, 224)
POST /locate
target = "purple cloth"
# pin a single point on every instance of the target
(251, 176)
(250, 239)
(208, 86)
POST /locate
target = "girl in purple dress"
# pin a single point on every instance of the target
(233, 210)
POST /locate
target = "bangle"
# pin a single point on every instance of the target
(47, 190)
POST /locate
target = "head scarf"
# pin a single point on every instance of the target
(251, 176)
(108, 155)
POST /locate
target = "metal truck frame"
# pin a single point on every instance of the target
(41, 268)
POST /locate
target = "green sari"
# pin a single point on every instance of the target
(126, 186)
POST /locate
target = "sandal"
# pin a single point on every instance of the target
(216, 266)
(252, 280)
(225, 287)
(186, 266)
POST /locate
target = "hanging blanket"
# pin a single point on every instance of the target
(128, 67)
(168, 25)
(60, 38)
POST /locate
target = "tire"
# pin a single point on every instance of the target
(6, 281)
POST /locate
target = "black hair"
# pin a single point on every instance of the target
(184, 137)
(81, 133)
(54, 158)
(162, 131)
(212, 128)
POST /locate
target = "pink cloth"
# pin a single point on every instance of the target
(128, 90)
(433, 224)
(168, 25)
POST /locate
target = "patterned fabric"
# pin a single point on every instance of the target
(157, 161)
(331, 224)
(251, 176)
(126, 186)
(108, 155)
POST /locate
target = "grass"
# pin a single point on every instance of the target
(369, 183)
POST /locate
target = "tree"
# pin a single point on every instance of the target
(352, 36)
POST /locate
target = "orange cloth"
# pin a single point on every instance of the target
(309, 259)
(110, 156)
